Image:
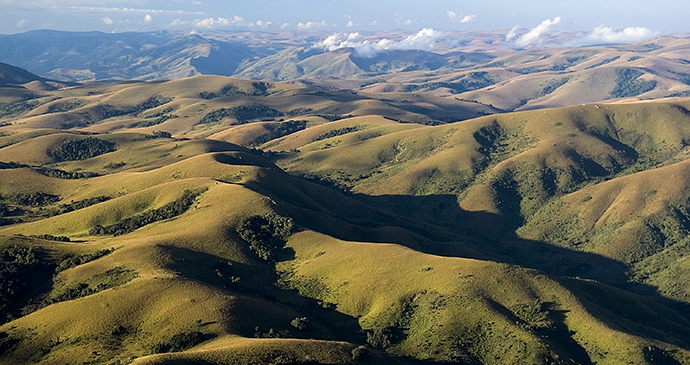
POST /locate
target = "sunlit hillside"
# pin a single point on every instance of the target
(214, 220)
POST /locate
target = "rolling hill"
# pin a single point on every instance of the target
(478, 67)
(213, 220)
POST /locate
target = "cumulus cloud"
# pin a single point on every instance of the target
(424, 40)
(460, 18)
(147, 18)
(107, 21)
(512, 34)
(218, 22)
(263, 24)
(534, 35)
(350, 24)
(309, 25)
(468, 19)
(22, 23)
(400, 20)
(603, 34)
(177, 22)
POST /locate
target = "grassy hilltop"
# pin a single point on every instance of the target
(212, 220)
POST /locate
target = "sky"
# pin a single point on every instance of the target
(613, 18)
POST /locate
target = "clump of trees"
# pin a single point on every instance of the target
(110, 279)
(80, 204)
(65, 106)
(551, 87)
(243, 113)
(81, 149)
(69, 175)
(50, 237)
(11, 165)
(75, 261)
(338, 132)
(280, 130)
(258, 89)
(114, 165)
(629, 85)
(181, 342)
(167, 211)
(266, 234)
(153, 121)
(34, 199)
(16, 265)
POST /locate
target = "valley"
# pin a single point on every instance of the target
(491, 207)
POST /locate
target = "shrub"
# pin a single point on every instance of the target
(81, 149)
(300, 323)
(266, 234)
(114, 165)
(360, 353)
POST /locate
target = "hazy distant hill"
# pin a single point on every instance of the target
(483, 70)
(88, 56)
(11, 75)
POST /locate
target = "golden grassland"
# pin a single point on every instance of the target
(505, 239)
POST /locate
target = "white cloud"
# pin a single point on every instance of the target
(400, 20)
(468, 19)
(424, 40)
(460, 18)
(534, 35)
(284, 25)
(177, 23)
(218, 22)
(107, 21)
(147, 18)
(512, 34)
(309, 25)
(350, 24)
(94, 9)
(603, 34)
(22, 23)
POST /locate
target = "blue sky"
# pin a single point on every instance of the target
(657, 17)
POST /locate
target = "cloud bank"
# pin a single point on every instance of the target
(424, 40)
(309, 25)
(534, 35)
(603, 34)
(218, 22)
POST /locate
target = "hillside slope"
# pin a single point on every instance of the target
(343, 233)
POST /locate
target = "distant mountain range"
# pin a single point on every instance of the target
(476, 67)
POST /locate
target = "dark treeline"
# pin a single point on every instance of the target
(167, 211)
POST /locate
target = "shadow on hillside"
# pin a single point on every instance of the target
(435, 224)
(257, 281)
